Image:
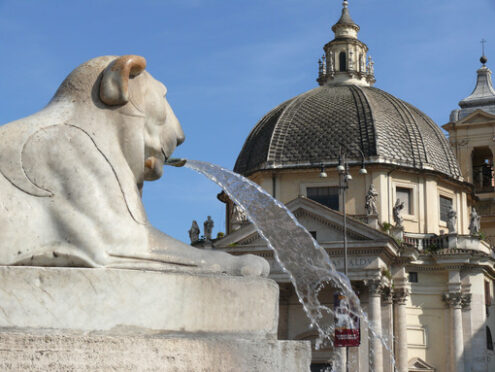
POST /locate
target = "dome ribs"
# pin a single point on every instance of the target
(317, 126)
(366, 124)
(309, 130)
(411, 126)
(392, 137)
(282, 130)
(254, 152)
(450, 166)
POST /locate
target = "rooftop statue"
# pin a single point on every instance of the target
(452, 221)
(396, 211)
(474, 222)
(72, 176)
(208, 226)
(194, 232)
(371, 209)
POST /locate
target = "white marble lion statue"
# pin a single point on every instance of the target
(72, 176)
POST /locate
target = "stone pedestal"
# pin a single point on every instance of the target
(397, 233)
(372, 221)
(78, 319)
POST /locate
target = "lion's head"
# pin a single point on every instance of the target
(121, 86)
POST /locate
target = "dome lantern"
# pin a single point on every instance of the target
(344, 60)
(376, 128)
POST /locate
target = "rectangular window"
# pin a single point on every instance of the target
(404, 195)
(488, 297)
(445, 205)
(413, 277)
(328, 196)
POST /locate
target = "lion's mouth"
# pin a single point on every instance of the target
(165, 157)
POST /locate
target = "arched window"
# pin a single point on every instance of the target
(361, 64)
(489, 340)
(342, 62)
(482, 160)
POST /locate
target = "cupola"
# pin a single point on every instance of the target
(345, 59)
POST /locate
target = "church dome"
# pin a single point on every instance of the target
(346, 113)
(310, 129)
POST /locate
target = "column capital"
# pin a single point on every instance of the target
(400, 295)
(453, 299)
(375, 287)
(466, 301)
(387, 295)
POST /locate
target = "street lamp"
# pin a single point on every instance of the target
(323, 174)
(344, 178)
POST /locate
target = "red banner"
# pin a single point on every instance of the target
(347, 332)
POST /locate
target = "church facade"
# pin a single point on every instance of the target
(357, 165)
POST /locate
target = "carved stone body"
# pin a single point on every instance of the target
(371, 209)
(194, 232)
(396, 211)
(452, 221)
(208, 227)
(72, 176)
(474, 222)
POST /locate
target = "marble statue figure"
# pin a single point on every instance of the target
(72, 176)
(474, 222)
(396, 211)
(194, 232)
(208, 226)
(371, 209)
(238, 217)
(452, 221)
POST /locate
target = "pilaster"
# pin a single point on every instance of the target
(388, 328)
(466, 325)
(375, 288)
(454, 303)
(400, 295)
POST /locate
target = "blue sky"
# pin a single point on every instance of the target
(227, 62)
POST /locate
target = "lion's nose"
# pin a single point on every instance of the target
(181, 138)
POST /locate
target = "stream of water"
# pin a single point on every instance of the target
(300, 256)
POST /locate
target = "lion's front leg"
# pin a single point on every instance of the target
(205, 260)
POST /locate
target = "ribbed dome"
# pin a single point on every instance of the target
(310, 129)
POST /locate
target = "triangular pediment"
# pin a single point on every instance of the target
(325, 223)
(419, 365)
(476, 117)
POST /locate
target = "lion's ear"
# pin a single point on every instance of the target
(115, 81)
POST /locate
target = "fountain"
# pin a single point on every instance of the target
(296, 251)
(86, 282)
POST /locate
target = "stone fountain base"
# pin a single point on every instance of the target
(212, 353)
(78, 319)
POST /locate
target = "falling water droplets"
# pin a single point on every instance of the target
(307, 264)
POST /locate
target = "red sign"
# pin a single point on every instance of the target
(347, 332)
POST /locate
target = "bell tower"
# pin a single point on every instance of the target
(472, 137)
(345, 59)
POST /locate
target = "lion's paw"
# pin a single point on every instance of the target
(250, 265)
